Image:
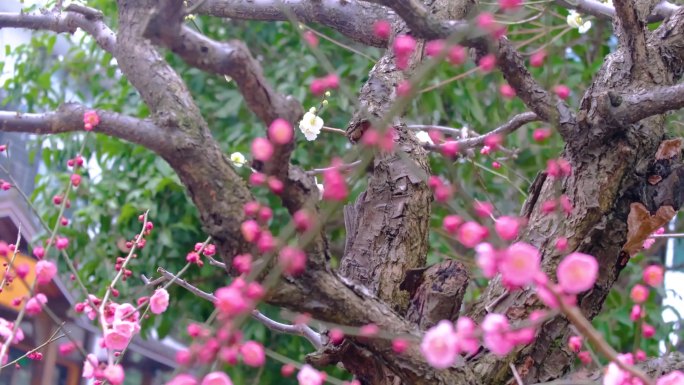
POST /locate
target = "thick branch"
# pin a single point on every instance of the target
(72, 18)
(69, 118)
(298, 330)
(631, 108)
(352, 19)
(631, 16)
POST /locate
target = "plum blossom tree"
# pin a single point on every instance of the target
(377, 306)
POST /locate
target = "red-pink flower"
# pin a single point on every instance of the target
(541, 134)
(537, 58)
(465, 336)
(509, 4)
(89, 366)
(262, 149)
(280, 131)
(292, 259)
(575, 343)
(451, 223)
(382, 29)
(34, 305)
(507, 228)
(309, 376)
(487, 63)
(216, 378)
(62, 243)
(434, 47)
(334, 185)
(507, 91)
(639, 293)
(470, 234)
(230, 301)
(486, 259)
(114, 374)
(116, 340)
(673, 378)
(183, 379)
(159, 301)
(562, 91)
(653, 275)
(253, 354)
(483, 209)
(647, 330)
(577, 273)
(519, 264)
(439, 345)
(496, 328)
(45, 271)
(90, 120)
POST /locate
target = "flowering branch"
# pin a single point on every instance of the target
(299, 329)
(605, 11)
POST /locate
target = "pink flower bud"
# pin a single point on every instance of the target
(382, 29)
(562, 91)
(280, 132)
(262, 149)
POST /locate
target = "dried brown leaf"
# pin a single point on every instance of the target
(654, 179)
(640, 224)
(669, 149)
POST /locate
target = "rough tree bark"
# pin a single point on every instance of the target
(611, 142)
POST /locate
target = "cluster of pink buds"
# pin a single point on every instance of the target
(5, 185)
(384, 140)
(194, 256)
(443, 191)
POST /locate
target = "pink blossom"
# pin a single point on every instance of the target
(486, 259)
(62, 243)
(640, 355)
(673, 378)
(90, 120)
(243, 263)
(616, 376)
(89, 366)
(519, 264)
(45, 271)
(562, 91)
(485, 20)
(309, 376)
(648, 331)
(75, 180)
(403, 47)
(114, 374)
(22, 270)
(250, 230)
(585, 357)
(506, 90)
(487, 63)
(310, 38)
(451, 223)
(6, 328)
(653, 275)
(382, 29)
(116, 340)
(507, 228)
(648, 243)
(465, 336)
(334, 184)
(292, 259)
(126, 312)
(443, 193)
(483, 209)
(159, 301)
(561, 243)
(266, 242)
(541, 134)
(67, 348)
(509, 4)
(537, 59)
(404, 88)
(39, 252)
(34, 305)
(439, 345)
(280, 131)
(457, 55)
(216, 378)
(575, 343)
(230, 301)
(336, 336)
(257, 179)
(253, 354)
(302, 220)
(635, 314)
(262, 149)
(449, 148)
(434, 47)
(183, 379)
(399, 345)
(496, 328)
(577, 273)
(639, 293)
(470, 234)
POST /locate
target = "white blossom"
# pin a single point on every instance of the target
(238, 159)
(311, 125)
(424, 137)
(574, 20)
(320, 188)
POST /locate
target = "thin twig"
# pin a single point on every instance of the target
(516, 375)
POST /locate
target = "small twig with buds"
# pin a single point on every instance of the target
(11, 262)
(297, 329)
(54, 337)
